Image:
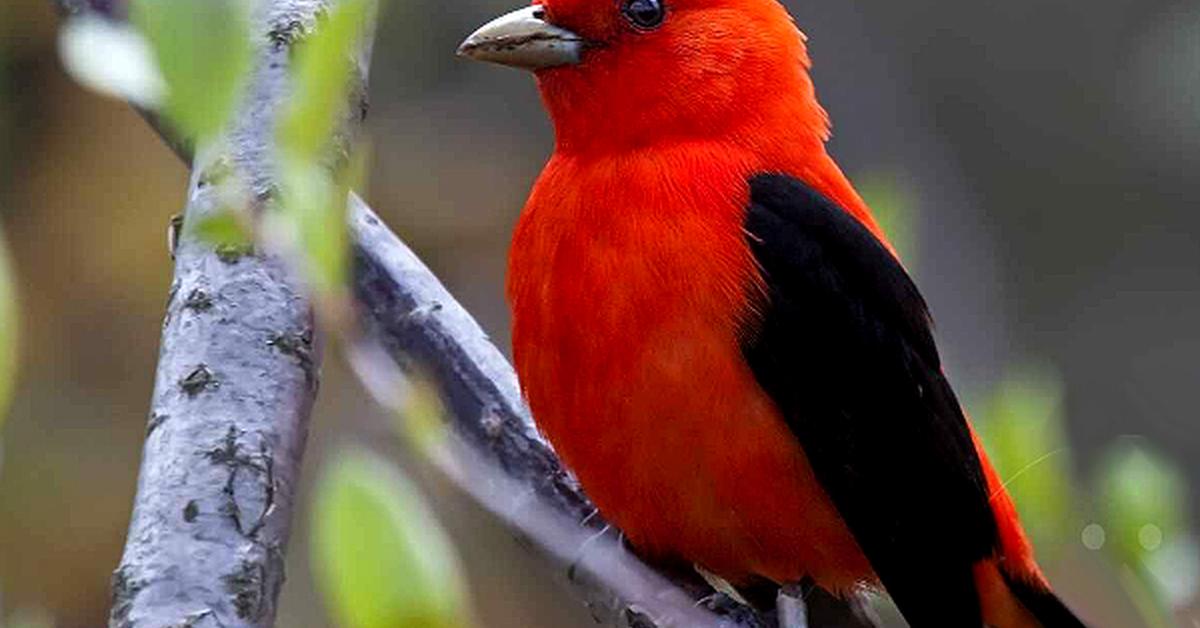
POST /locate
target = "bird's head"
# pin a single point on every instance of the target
(620, 74)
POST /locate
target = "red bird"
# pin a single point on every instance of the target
(715, 335)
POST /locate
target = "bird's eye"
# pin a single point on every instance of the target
(644, 14)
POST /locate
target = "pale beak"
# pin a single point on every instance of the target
(523, 39)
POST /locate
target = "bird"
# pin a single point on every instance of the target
(717, 337)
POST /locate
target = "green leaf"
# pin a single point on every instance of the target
(313, 217)
(422, 419)
(203, 50)
(112, 59)
(321, 75)
(314, 202)
(381, 559)
(1021, 425)
(1143, 500)
(223, 228)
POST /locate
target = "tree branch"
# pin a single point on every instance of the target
(235, 385)
(236, 381)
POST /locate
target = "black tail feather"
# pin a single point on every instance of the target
(1042, 603)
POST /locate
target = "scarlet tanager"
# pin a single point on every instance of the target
(717, 338)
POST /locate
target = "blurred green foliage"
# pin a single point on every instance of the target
(203, 50)
(224, 228)
(380, 557)
(322, 64)
(112, 59)
(1143, 504)
(895, 209)
(421, 421)
(313, 222)
(1141, 512)
(313, 200)
(197, 52)
(1021, 422)
(1142, 499)
(188, 59)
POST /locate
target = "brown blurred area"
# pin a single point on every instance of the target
(1052, 148)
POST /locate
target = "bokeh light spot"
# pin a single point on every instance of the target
(1093, 536)
(1150, 536)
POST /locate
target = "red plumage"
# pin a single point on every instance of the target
(633, 284)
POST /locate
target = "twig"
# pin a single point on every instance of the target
(236, 381)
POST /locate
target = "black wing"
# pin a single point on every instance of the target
(844, 346)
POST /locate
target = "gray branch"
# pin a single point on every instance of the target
(236, 381)
(417, 318)
(235, 386)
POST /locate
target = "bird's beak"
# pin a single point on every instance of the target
(523, 39)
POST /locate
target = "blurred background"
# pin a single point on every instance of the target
(1038, 161)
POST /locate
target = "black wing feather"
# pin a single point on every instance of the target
(845, 348)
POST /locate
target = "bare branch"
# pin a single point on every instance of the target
(234, 390)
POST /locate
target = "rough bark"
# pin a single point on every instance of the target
(234, 389)
(236, 380)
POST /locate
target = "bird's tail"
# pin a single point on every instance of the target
(1015, 601)
(1012, 590)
